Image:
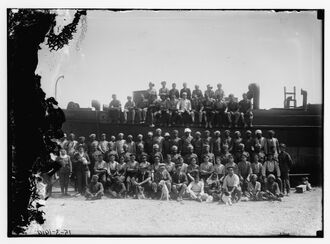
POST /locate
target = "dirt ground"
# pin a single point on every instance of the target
(298, 214)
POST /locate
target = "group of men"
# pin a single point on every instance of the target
(171, 106)
(198, 166)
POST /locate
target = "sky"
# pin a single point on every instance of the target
(121, 52)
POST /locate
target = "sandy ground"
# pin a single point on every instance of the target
(298, 214)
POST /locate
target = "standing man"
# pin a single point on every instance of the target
(184, 108)
(142, 108)
(186, 90)
(197, 92)
(259, 139)
(198, 145)
(159, 139)
(219, 93)
(209, 92)
(285, 163)
(174, 91)
(129, 108)
(245, 108)
(216, 144)
(233, 112)
(164, 91)
(119, 145)
(173, 111)
(103, 145)
(114, 109)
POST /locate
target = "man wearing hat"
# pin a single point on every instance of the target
(184, 108)
(245, 109)
(208, 110)
(179, 182)
(185, 90)
(197, 92)
(244, 171)
(174, 91)
(129, 108)
(159, 175)
(219, 93)
(231, 185)
(285, 163)
(164, 91)
(114, 109)
(233, 112)
(259, 139)
(95, 189)
(185, 141)
(209, 92)
(216, 144)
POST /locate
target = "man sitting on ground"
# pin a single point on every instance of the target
(196, 189)
(179, 182)
(231, 185)
(94, 190)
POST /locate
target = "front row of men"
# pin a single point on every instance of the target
(204, 182)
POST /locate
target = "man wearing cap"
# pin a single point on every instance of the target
(166, 145)
(209, 92)
(129, 108)
(271, 167)
(196, 189)
(95, 189)
(285, 163)
(103, 145)
(185, 90)
(159, 175)
(159, 139)
(208, 111)
(174, 154)
(185, 141)
(231, 185)
(219, 93)
(216, 144)
(220, 108)
(196, 109)
(174, 91)
(244, 171)
(233, 111)
(245, 109)
(179, 182)
(114, 109)
(197, 143)
(272, 190)
(184, 108)
(120, 144)
(197, 92)
(164, 91)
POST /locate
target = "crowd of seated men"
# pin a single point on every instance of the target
(174, 107)
(199, 166)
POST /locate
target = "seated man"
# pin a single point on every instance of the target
(173, 111)
(271, 166)
(154, 110)
(197, 109)
(197, 92)
(245, 109)
(142, 185)
(196, 189)
(231, 185)
(132, 170)
(220, 112)
(100, 169)
(114, 109)
(142, 108)
(179, 182)
(164, 91)
(232, 112)
(186, 90)
(205, 168)
(163, 114)
(254, 189)
(272, 190)
(192, 168)
(94, 190)
(213, 186)
(244, 172)
(129, 108)
(160, 175)
(184, 109)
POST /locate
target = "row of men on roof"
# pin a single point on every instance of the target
(171, 107)
(128, 167)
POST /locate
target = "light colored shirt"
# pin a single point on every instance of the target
(196, 188)
(184, 105)
(272, 167)
(230, 181)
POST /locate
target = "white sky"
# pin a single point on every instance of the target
(123, 51)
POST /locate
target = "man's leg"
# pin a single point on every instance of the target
(280, 184)
(133, 116)
(125, 115)
(175, 191)
(236, 116)
(182, 190)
